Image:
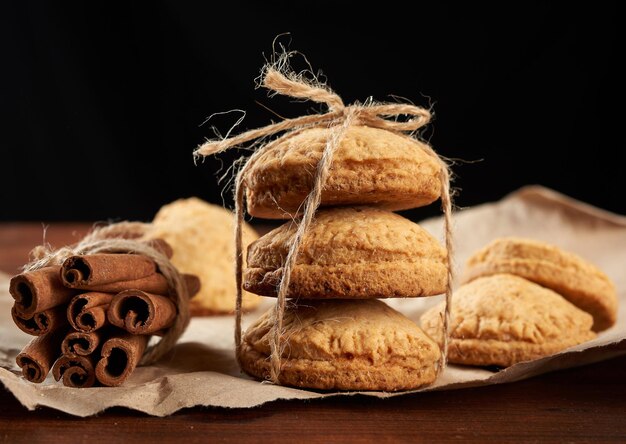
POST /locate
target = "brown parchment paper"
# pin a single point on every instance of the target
(201, 370)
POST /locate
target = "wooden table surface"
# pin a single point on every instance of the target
(586, 404)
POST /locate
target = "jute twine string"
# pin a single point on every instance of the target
(119, 238)
(279, 79)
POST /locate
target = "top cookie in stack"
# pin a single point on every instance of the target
(371, 166)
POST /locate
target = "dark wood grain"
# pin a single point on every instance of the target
(17, 239)
(586, 404)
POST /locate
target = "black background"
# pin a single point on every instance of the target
(101, 104)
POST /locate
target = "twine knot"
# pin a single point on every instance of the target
(373, 114)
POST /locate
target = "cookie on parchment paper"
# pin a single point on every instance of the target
(343, 345)
(504, 319)
(577, 280)
(201, 235)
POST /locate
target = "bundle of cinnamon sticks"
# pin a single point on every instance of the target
(92, 316)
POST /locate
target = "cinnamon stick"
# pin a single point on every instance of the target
(91, 270)
(87, 311)
(155, 283)
(81, 343)
(193, 284)
(39, 290)
(38, 356)
(120, 356)
(76, 371)
(41, 323)
(140, 312)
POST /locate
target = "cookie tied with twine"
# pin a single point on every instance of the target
(337, 122)
(120, 238)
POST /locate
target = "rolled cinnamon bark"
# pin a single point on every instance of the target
(87, 311)
(155, 283)
(193, 284)
(120, 356)
(41, 323)
(82, 343)
(92, 270)
(140, 312)
(38, 290)
(38, 356)
(76, 371)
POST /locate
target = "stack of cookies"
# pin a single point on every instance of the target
(336, 334)
(523, 300)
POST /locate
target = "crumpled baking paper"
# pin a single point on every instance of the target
(201, 369)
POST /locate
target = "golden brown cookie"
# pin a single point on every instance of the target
(201, 235)
(350, 253)
(371, 167)
(578, 281)
(504, 319)
(344, 345)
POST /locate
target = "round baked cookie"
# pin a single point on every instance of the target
(201, 235)
(371, 166)
(578, 281)
(504, 319)
(350, 253)
(344, 345)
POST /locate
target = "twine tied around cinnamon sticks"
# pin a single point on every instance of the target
(278, 78)
(121, 238)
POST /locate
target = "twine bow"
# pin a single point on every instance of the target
(337, 119)
(289, 85)
(121, 238)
